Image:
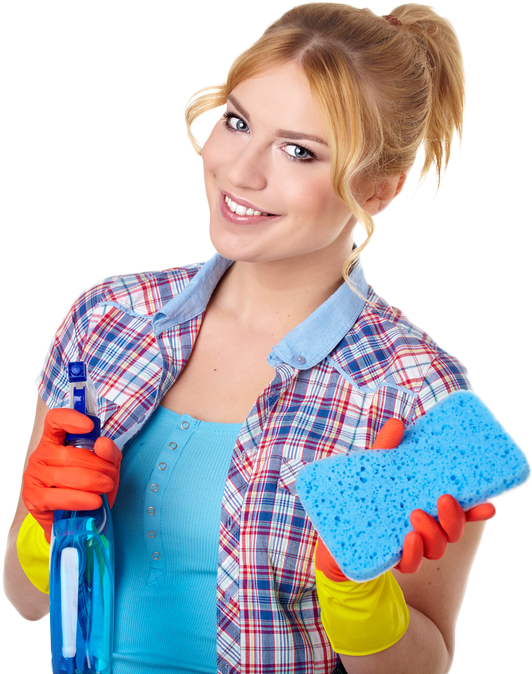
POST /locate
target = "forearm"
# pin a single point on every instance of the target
(421, 650)
(31, 603)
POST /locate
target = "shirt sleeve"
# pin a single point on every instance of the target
(68, 345)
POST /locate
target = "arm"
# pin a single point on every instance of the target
(25, 597)
(434, 595)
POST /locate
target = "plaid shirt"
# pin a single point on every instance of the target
(340, 374)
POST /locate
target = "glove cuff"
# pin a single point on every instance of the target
(362, 618)
(33, 552)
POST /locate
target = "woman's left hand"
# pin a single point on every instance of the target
(430, 537)
(338, 594)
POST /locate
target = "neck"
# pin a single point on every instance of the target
(280, 293)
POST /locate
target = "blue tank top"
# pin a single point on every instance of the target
(167, 520)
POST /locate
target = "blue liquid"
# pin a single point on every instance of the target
(82, 591)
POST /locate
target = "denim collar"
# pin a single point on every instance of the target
(303, 347)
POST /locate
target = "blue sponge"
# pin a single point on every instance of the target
(360, 502)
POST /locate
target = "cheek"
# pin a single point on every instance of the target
(318, 200)
(207, 156)
(213, 152)
(300, 190)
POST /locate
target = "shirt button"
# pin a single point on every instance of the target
(151, 510)
(141, 420)
(162, 466)
(300, 360)
(184, 425)
(154, 487)
(172, 445)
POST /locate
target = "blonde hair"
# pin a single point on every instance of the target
(383, 85)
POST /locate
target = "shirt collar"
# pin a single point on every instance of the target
(312, 340)
(193, 299)
(304, 346)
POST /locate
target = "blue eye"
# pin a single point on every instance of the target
(299, 153)
(235, 123)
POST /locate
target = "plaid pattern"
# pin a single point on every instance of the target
(339, 375)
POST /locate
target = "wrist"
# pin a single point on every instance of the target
(362, 618)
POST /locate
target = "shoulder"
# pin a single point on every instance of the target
(142, 293)
(119, 305)
(385, 349)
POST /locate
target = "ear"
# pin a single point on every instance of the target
(382, 193)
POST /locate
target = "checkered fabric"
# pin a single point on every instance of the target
(340, 374)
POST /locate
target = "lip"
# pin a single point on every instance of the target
(228, 214)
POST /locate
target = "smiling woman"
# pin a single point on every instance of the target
(220, 380)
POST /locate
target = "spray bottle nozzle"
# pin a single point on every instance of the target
(82, 397)
(77, 372)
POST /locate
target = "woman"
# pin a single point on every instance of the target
(278, 324)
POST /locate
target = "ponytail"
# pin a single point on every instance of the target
(438, 40)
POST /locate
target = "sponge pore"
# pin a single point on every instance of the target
(360, 502)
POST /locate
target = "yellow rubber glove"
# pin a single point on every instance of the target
(34, 553)
(361, 618)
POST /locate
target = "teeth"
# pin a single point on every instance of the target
(241, 210)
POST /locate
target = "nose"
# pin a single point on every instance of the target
(248, 168)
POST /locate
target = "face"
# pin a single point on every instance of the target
(267, 172)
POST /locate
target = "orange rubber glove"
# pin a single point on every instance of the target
(429, 538)
(60, 477)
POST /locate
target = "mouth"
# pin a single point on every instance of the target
(239, 209)
(242, 211)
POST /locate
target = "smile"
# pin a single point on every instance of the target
(241, 210)
(244, 213)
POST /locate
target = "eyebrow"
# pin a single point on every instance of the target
(281, 133)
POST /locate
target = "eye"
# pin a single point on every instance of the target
(235, 123)
(299, 153)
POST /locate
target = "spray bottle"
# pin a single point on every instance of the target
(82, 565)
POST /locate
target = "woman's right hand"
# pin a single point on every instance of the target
(60, 477)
